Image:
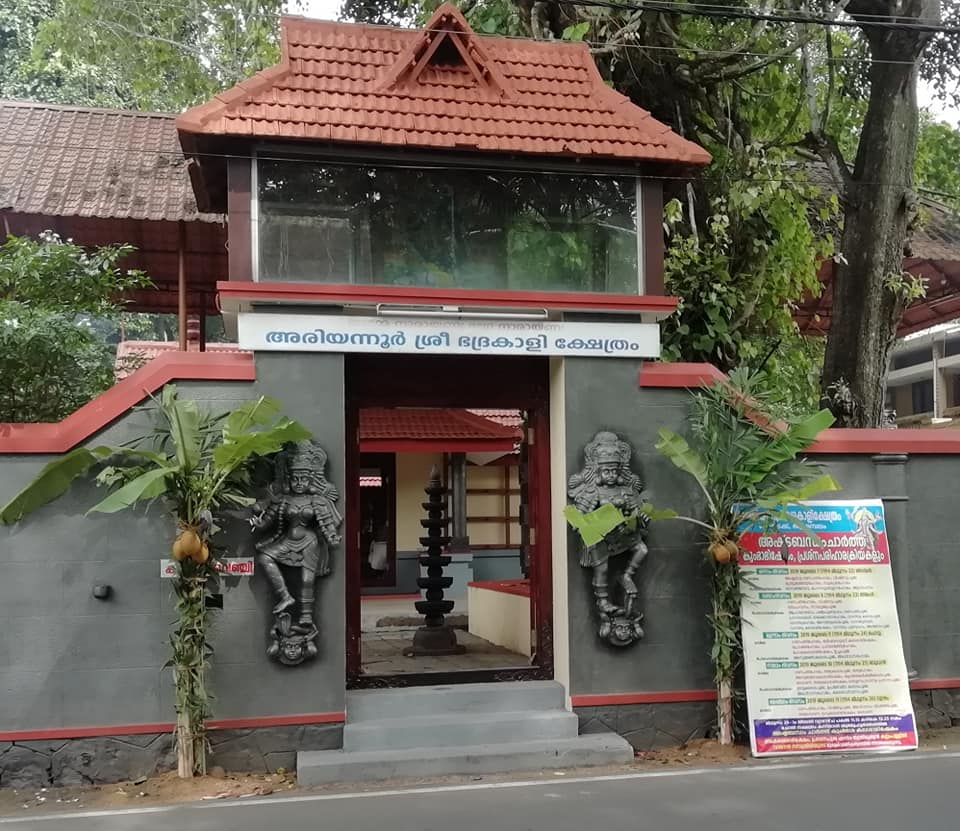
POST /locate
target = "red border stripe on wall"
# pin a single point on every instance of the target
(681, 696)
(832, 442)
(167, 727)
(665, 697)
(90, 419)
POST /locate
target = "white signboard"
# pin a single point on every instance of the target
(824, 662)
(453, 336)
(234, 566)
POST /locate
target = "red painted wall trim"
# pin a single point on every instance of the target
(833, 441)
(679, 696)
(233, 292)
(665, 697)
(167, 727)
(79, 426)
(678, 376)
(935, 684)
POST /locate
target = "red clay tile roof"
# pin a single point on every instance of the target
(132, 354)
(435, 425)
(441, 88)
(78, 161)
(509, 418)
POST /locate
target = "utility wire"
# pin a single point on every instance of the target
(678, 6)
(699, 10)
(338, 162)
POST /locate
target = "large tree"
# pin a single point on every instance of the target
(759, 87)
(138, 54)
(870, 288)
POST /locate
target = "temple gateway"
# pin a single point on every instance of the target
(443, 253)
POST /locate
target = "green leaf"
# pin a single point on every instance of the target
(576, 32)
(148, 485)
(259, 413)
(657, 514)
(230, 456)
(52, 481)
(593, 527)
(822, 484)
(183, 416)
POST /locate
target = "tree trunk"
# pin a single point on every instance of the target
(185, 745)
(878, 209)
(725, 712)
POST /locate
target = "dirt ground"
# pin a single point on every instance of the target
(167, 788)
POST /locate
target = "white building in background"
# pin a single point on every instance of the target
(923, 385)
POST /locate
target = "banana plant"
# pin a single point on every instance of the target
(746, 464)
(196, 463)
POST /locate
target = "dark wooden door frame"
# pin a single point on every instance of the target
(441, 381)
(387, 463)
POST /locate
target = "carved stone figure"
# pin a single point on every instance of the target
(606, 479)
(296, 529)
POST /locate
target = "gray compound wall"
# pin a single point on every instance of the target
(70, 661)
(674, 655)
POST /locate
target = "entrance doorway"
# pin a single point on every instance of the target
(483, 425)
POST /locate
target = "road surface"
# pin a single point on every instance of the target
(888, 793)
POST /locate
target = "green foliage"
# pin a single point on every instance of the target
(938, 161)
(138, 54)
(576, 32)
(53, 294)
(740, 274)
(745, 463)
(43, 73)
(50, 364)
(53, 274)
(594, 526)
(197, 463)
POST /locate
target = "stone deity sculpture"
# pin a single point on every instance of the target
(606, 479)
(295, 531)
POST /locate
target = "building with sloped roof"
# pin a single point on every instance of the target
(443, 253)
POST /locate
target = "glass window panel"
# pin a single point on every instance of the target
(441, 228)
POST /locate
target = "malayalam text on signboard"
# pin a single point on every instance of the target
(436, 336)
(825, 669)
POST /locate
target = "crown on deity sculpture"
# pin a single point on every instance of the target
(306, 455)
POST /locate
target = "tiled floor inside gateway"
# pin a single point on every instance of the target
(388, 627)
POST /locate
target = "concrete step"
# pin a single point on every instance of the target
(459, 730)
(365, 705)
(320, 767)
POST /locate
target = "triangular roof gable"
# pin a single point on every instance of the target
(358, 84)
(447, 25)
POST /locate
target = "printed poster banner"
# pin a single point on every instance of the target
(445, 336)
(825, 670)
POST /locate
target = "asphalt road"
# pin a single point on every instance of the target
(892, 793)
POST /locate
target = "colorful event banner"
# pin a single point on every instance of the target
(824, 663)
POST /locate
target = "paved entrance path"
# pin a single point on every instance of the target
(382, 654)
(892, 793)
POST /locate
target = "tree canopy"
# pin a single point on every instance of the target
(139, 54)
(768, 94)
(54, 300)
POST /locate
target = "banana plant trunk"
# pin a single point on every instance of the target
(186, 760)
(725, 711)
(189, 642)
